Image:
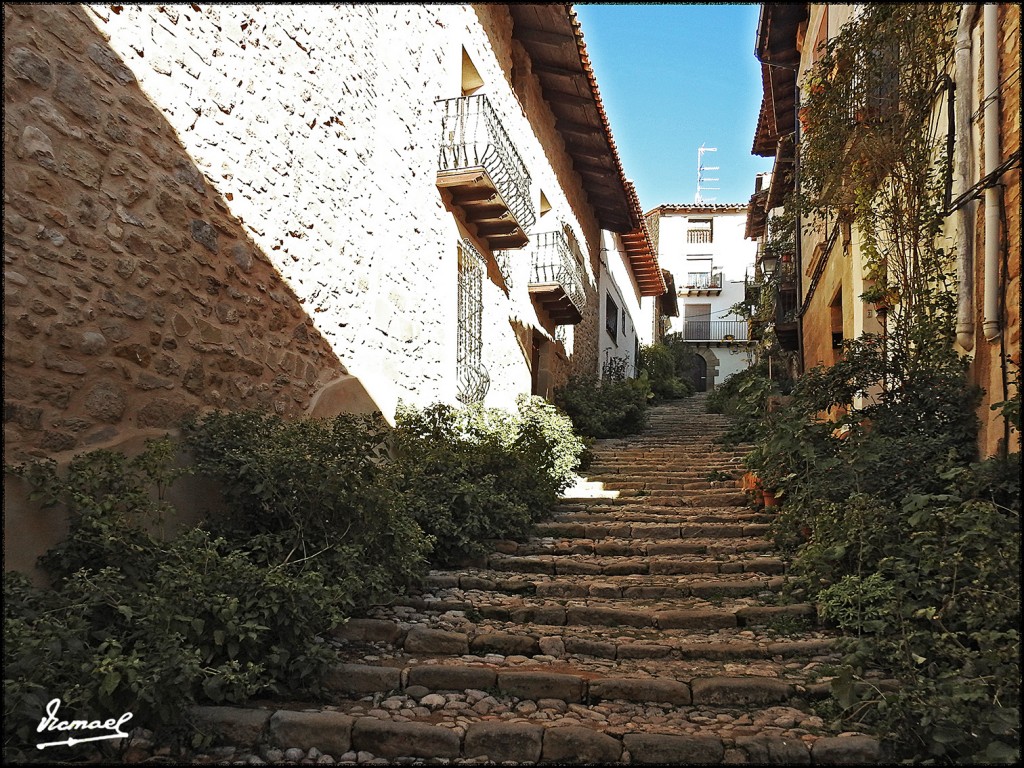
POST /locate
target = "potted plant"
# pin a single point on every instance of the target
(882, 297)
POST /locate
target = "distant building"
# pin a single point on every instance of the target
(704, 247)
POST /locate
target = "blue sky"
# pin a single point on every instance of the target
(673, 77)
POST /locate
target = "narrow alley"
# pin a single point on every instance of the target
(645, 624)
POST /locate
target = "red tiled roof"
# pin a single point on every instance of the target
(643, 259)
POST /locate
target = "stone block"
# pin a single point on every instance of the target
(607, 617)
(765, 749)
(232, 725)
(428, 641)
(674, 749)
(846, 750)
(549, 615)
(330, 732)
(572, 744)
(586, 646)
(505, 644)
(362, 678)
(442, 677)
(640, 689)
(389, 740)
(734, 691)
(501, 742)
(695, 619)
(541, 685)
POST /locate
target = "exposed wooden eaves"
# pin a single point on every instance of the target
(551, 35)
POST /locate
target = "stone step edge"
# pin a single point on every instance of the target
(336, 734)
(615, 565)
(723, 690)
(633, 547)
(422, 640)
(703, 588)
(655, 531)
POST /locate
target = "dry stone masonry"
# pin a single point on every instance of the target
(132, 294)
(644, 625)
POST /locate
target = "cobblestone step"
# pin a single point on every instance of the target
(645, 623)
(612, 565)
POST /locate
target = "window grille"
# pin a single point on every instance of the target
(473, 380)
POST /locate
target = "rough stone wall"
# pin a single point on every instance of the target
(132, 292)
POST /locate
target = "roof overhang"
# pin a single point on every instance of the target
(776, 49)
(669, 299)
(552, 37)
(643, 258)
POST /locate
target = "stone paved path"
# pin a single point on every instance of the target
(645, 624)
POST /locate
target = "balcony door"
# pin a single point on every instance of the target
(697, 322)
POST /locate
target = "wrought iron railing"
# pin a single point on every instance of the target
(698, 236)
(473, 137)
(725, 331)
(557, 260)
(472, 378)
(703, 281)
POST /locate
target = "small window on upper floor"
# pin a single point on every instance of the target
(699, 231)
(471, 79)
(611, 317)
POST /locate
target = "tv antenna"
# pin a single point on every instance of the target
(701, 178)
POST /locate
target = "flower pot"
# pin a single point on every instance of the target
(769, 499)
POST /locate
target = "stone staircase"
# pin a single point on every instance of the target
(644, 624)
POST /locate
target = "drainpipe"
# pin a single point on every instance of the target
(990, 327)
(965, 215)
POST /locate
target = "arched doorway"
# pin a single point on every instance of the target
(699, 373)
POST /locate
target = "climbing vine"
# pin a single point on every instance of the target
(870, 157)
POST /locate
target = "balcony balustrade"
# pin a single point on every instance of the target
(556, 278)
(702, 284)
(698, 236)
(481, 169)
(716, 331)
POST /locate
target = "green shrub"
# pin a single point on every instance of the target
(151, 625)
(906, 543)
(661, 364)
(602, 408)
(471, 474)
(314, 492)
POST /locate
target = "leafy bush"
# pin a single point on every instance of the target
(323, 517)
(314, 492)
(905, 543)
(476, 473)
(661, 364)
(147, 625)
(605, 407)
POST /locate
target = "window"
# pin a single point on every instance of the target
(611, 317)
(699, 231)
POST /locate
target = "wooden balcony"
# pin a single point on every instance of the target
(556, 278)
(702, 284)
(483, 174)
